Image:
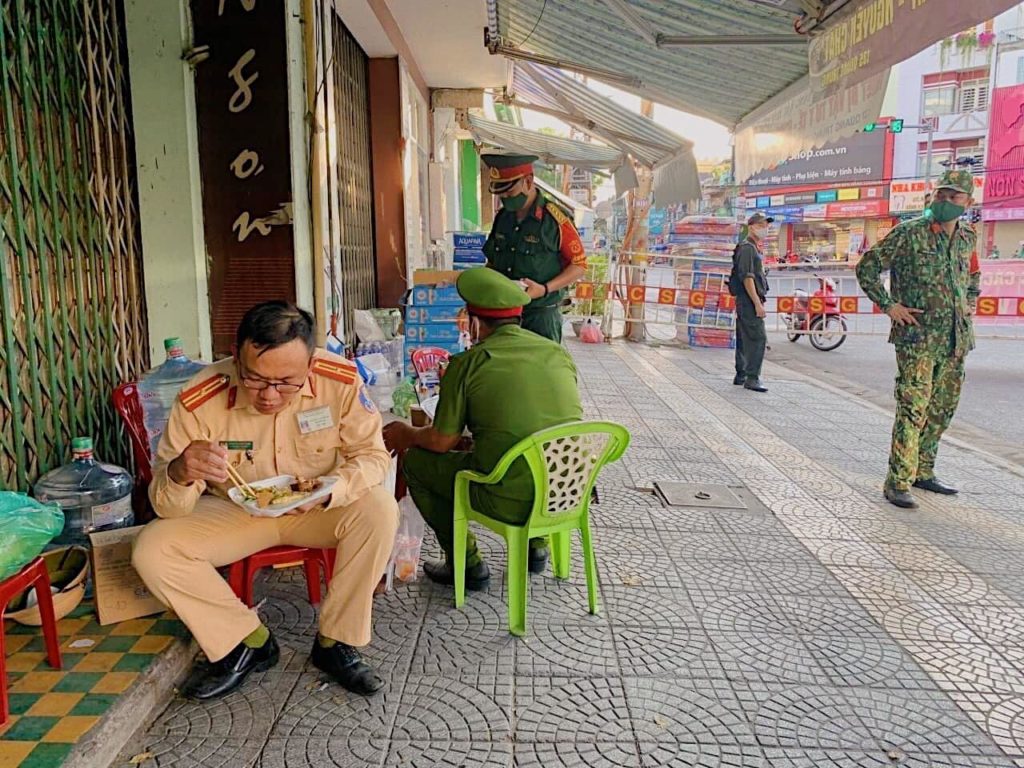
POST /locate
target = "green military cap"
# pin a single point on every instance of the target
(960, 179)
(490, 294)
(506, 169)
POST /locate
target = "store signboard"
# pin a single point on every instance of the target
(857, 158)
(815, 212)
(849, 194)
(863, 209)
(786, 214)
(1004, 166)
(826, 196)
(907, 195)
(778, 200)
(1002, 214)
(799, 198)
(764, 202)
(866, 36)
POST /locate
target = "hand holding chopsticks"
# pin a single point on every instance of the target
(239, 482)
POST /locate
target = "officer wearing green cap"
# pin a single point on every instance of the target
(935, 283)
(532, 240)
(510, 384)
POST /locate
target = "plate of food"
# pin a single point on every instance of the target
(275, 496)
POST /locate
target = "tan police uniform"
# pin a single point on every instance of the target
(331, 427)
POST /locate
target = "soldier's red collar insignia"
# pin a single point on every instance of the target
(195, 396)
(538, 212)
(337, 370)
(935, 227)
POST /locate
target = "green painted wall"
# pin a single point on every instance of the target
(469, 184)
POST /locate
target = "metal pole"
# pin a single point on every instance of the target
(928, 159)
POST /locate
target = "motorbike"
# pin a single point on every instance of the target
(826, 329)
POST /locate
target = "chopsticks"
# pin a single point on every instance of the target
(240, 484)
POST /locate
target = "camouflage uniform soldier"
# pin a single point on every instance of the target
(935, 282)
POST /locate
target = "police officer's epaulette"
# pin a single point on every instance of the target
(560, 214)
(337, 370)
(193, 397)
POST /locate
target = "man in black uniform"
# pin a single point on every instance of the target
(749, 284)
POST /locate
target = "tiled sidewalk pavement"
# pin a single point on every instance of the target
(820, 627)
(53, 710)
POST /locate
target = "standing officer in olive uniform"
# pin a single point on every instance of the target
(935, 283)
(510, 384)
(532, 240)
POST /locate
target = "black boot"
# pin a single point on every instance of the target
(538, 559)
(901, 499)
(739, 379)
(936, 486)
(345, 665)
(219, 678)
(477, 576)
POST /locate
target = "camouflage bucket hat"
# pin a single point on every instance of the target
(960, 180)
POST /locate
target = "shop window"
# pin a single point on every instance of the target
(940, 162)
(976, 153)
(974, 96)
(940, 100)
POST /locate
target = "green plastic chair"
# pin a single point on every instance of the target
(565, 462)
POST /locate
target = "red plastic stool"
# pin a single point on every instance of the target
(32, 575)
(242, 573)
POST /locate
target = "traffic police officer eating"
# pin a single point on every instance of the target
(532, 240)
(510, 384)
(279, 406)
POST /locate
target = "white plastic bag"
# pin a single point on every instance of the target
(408, 541)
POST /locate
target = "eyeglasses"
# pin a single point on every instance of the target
(250, 382)
(259, 385)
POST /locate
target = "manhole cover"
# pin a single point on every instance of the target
(698, 495)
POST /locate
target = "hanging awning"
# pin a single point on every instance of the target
(553, 150)
(556, 150)
(549, 91)
(721, 82)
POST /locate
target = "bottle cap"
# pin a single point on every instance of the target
(81, 444)
(173, 346)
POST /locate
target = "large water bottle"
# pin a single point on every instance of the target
(93, 495)
(160, 386)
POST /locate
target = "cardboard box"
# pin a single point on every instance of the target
(434, 277)
(120, 593)
(469, 240)
(432, 332)
(441, 313)
(429, 295)
(469, 257)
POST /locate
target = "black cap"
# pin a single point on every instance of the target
(758, 218)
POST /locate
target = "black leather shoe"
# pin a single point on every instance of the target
(345, 664)
(755, 385)
(538, 560)
(739, 379)
(478, 577)
(936, 486)
(901, 499)
(219, 678)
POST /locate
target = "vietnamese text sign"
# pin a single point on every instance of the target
(859, 157)
(908, 195)
(1004, 166)
(800, 121)
(867, 36)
